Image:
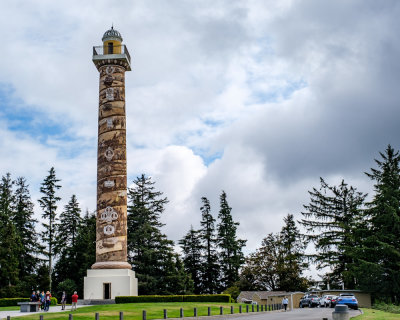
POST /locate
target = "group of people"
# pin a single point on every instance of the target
(45, 300)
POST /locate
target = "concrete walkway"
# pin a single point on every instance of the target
(17, 313)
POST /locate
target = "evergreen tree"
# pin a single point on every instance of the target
(210, 269)
(85, 250)
(330, 220)
(9, 241)
(25, 229)
(291, 258)
(65, 245)
(149, 250)
(381, 249)
(48, 203)
(191, 250)
(68, 229)
(231, 254)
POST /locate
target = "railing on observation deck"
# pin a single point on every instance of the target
(101, 50)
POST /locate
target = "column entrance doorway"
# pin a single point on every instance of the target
(106, 290)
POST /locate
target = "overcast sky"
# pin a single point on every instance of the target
(257, 98)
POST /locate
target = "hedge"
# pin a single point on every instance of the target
(175, 298)
(10, 302)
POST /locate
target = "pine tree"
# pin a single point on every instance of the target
(191, 250)
(381, 250)
(330, 220)
(68, 229)
(25, 229)
(231, 254)
(85, 249)
(48, 203)
(65, 245)
(210, 269)
(292, 260)
(9, 241)
(149, 250)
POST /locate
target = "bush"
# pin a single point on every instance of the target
(175, 298)
(386, 307)
(53, 301)
(9, 302)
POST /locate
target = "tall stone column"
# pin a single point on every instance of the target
(111, 275)
(111, 225)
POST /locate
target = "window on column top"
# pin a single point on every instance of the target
(110, 48)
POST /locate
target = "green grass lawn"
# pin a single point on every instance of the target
(9, 308)
(133, 311)
(372, 314)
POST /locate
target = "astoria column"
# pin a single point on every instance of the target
(112, 60)
(111, 275)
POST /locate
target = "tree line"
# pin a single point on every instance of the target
(56, 253)
(358, 240)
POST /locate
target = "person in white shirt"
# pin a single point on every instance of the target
(285, 302)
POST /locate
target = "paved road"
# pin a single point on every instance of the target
(297, 314)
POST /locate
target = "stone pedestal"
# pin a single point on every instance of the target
(109, 283)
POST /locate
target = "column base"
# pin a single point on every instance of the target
(109, 283)
(112, 265)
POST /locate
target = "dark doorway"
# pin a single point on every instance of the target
(110, 48)
(107, 290)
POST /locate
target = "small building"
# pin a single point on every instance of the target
(270, 297)
(275, 297)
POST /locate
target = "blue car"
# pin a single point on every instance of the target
(348, 299)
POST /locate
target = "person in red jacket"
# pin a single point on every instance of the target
(74, 301)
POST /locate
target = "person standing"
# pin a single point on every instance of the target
(74, 299)
(63, 300)
(48, 300)
(42, 300)
(285, 302)
(33, 297)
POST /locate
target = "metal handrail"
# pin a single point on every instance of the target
(104, 50)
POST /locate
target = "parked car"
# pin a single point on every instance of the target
(325, 300)
(309, 300)
(333, 301)
(348, 299)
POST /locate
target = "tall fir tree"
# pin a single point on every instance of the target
(292, 259)
(149, 250)
(231, 254)
(210, 266)
(10, 245)
(192, 257)
(25, 229)
(330, 220)
(85, 249)
(65, 244)
(48, 203)
(381, 250)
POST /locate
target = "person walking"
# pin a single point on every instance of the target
(285, 302)
(74, 299)
(63, 300)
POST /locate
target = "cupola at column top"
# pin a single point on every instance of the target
(112, 35)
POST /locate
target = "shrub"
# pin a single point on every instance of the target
(9, 302)
(175, 298)
(53, 301)
(386, 307)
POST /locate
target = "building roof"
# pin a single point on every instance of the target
(112, 34)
